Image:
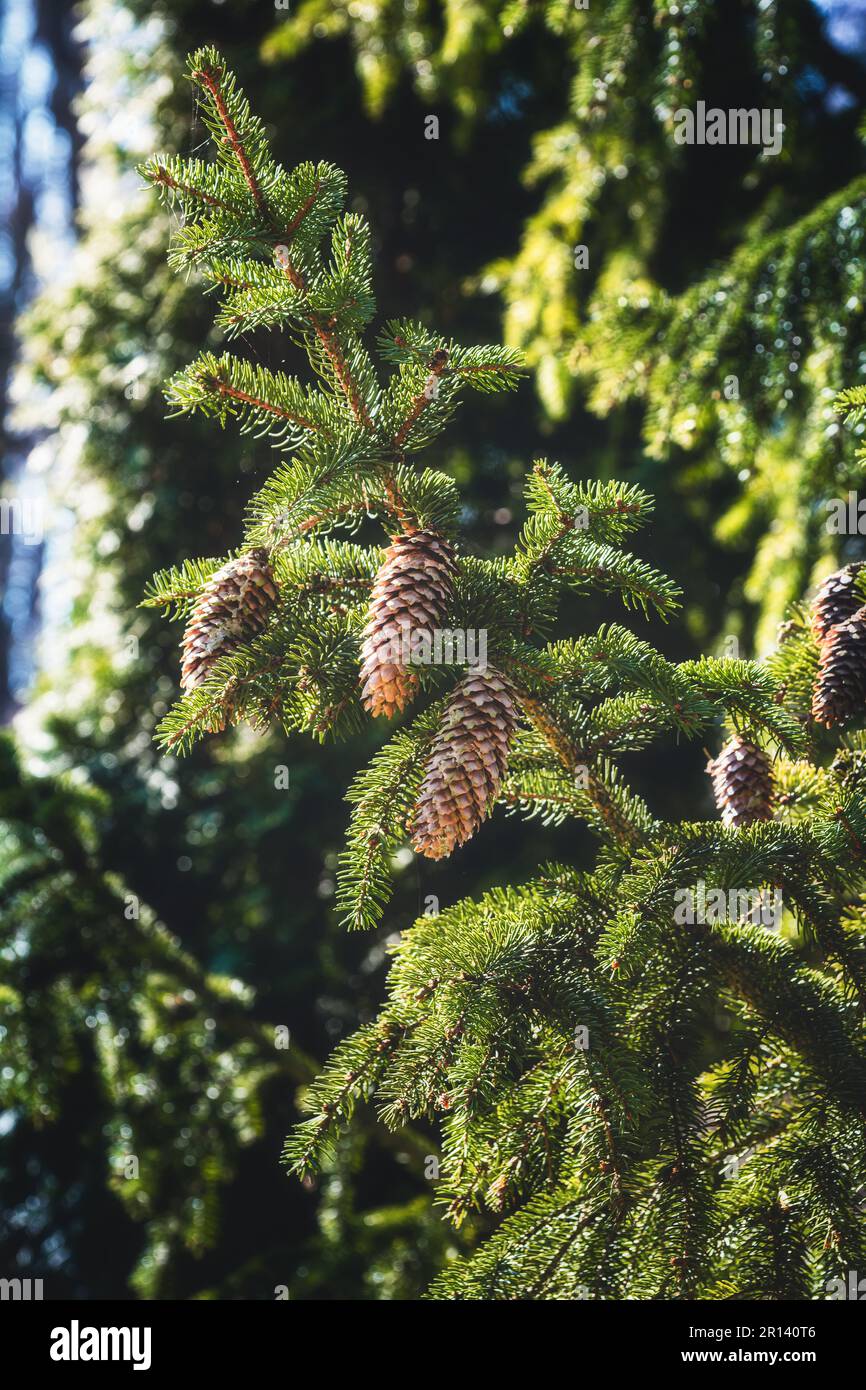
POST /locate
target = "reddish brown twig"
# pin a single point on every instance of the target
(166, 180)
(234, 393)
(438, 364)
(208, 79)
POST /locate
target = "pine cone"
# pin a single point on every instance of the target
(742, 783)
(412, 593)
(232, 606)
(840, 690)
(836, 601)
(466, 765)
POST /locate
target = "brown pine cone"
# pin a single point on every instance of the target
(412, 593)
(742, 783)
(836, 601)
(232, 607)
(466, 765)
(840, 690)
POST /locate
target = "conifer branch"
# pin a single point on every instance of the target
(209, 78)
(619, 827)
(438, 365)
(160, 176)
(337, 359)
(302, 211)
(223, 388)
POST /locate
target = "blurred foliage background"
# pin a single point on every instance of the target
(170, 970)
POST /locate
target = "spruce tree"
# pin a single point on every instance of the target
(646, 1073)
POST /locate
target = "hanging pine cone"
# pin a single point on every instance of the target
(836, 601)
(232, 607)
(742, 783)
(466, 765)
(840, 690)
(412, 593)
